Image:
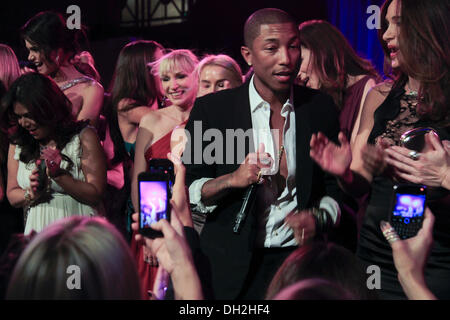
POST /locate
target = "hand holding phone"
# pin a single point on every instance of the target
(154, 196)
(42, 175)
(161, 165)
(408, 206)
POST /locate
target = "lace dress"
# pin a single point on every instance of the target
(60, 205)
(396, 115)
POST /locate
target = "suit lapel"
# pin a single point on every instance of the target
(241, 113)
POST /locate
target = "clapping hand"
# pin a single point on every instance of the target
(330, 157)
(52, 157)
(430, 168)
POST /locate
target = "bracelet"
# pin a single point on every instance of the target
(28, 199)
(323, 220)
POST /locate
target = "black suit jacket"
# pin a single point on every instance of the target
(230, 254)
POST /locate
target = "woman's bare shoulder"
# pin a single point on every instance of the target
(150, 119)
(382, 88)
(91, 88)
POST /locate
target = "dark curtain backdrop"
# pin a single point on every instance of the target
(350, 16)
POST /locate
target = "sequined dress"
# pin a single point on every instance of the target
(396, 115)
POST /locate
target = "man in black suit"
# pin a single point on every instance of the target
(277, 120)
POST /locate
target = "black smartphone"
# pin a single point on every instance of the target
(154, 199)
(408, 208)
(42, 175)
(164, 166)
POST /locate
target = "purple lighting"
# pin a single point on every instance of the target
(409, 206)
(153, 202)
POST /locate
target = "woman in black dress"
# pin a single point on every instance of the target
(415, 39)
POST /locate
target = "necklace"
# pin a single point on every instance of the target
(411, 93)
(280, 154)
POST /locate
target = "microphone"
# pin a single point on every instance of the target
(247, 205)
(250, 193)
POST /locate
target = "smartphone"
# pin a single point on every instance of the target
(42, 175)
(408, 208)
(164, 166)
(154, 196)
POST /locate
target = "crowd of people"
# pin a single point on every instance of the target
(313, 181)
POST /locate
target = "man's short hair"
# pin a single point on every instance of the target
(252, 27)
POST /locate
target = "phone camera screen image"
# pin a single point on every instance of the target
(409, 205)
(153, 202)
(408, 209)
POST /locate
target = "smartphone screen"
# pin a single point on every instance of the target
(408, 210)
(153, 201)
(409, 205)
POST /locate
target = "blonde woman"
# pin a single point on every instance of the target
(176, 71)
(216, 73)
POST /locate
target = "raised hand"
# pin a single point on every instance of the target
(173, 233)
(180, 193)
(34, 184)
(374, 158)
(330, 157)
(410, 257)
(38, 179)
(249, 171)
(431, 168)
(52, 157)
(174, 256)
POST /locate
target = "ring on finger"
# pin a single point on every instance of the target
(391, 235)
(393, 238)
(414, 155)
(259, 178)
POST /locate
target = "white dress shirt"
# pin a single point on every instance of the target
(271, 210)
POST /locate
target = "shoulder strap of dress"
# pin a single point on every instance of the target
(74, 82)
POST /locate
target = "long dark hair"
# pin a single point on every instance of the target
(47, 105)
(333, 57)
(47, 30)
(132, 80)
(425, 51)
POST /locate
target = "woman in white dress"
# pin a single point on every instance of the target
(42, 130)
